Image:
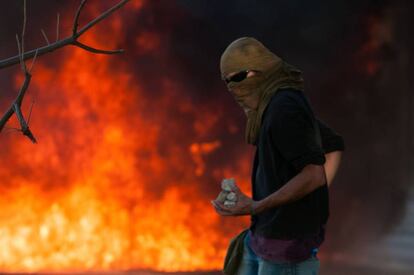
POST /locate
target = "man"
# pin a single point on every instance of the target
(296, 159)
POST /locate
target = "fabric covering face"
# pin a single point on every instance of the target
(272, 74)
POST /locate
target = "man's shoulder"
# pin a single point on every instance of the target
(286, 100)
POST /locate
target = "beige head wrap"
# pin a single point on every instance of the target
(273, 73)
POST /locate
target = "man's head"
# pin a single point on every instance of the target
(244, 67)
(253, 74)
(249, 102)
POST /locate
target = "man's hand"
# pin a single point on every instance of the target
(244, 205)
(311, 177)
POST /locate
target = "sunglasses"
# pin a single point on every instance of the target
(240, 76)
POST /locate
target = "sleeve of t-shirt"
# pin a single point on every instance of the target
(331, 140)
(295, 134)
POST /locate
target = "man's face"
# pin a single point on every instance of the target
(248, 103)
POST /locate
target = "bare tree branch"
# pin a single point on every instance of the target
(18, 102)
(33, 61)
(7, 115)
(101, 17)
(15, 107)
(93, 50)
(12, 129)
(23, 65)
(30, 112)
(65, 41)
(24, 126)
(45, 36)
(57, 27)
(41, 51)
(24, 29)
(75, 21)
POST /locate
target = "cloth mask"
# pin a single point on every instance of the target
(271, 74)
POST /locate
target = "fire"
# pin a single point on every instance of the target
(147, 41)
(198, 150)
(379, 34)
(107, 187)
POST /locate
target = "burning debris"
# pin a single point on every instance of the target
(115, 182)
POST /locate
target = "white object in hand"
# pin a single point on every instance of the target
(231, 196)
(229, 203)
(222, 196)
(228, 184)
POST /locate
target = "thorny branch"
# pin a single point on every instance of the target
(15, 107)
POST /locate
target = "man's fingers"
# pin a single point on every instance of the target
(236, 189)
(220, 206)
(222, 210)
(224, 207)
(217, 206)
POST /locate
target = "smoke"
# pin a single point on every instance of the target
(355, 56)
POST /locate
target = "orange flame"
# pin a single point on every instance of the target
(379, 33)
(98, 192)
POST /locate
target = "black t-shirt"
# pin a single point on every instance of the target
(290, 138)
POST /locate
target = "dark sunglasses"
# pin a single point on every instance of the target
(240, 76)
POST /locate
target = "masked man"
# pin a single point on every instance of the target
(296, 158)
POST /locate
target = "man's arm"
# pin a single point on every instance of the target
(333, 145)
(310, 178)
(333, 159)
